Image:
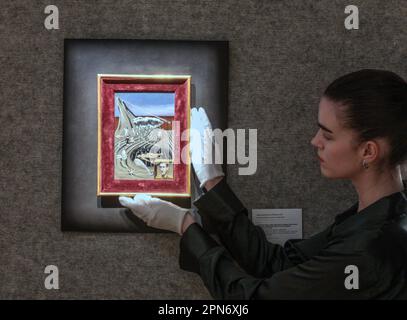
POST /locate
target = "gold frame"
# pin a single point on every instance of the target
(160, 79)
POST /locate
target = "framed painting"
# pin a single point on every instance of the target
(99, 72)
(141, 148)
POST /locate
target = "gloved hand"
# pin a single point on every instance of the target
(200, 140)
(155, 212)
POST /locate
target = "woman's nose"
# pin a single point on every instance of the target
(316, 142)
(313, 141)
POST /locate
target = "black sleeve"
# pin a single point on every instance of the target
(246, 242)
(321, 277)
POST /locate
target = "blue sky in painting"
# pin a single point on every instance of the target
(147, 103)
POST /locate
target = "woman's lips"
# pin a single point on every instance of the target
(320, 159)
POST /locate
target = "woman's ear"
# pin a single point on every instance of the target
(370, 151)
(375, 150)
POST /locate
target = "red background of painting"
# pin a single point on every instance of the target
(108, 87)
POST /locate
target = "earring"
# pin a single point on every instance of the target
(365, 164)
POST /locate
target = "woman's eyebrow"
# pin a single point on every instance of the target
(324, 128)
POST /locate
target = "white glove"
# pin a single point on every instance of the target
(204, 166)
(155, 212)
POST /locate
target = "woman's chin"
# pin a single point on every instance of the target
(325, 173)
(329, 174)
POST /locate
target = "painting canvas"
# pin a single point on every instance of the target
(143, 145)
(140, 123)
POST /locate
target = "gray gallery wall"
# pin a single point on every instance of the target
(282, 55)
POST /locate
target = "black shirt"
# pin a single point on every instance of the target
(247, 266)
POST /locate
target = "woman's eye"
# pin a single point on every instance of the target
(327, 137)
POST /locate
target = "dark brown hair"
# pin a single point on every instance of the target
(375, 106)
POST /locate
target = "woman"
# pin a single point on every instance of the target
(362, 137)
